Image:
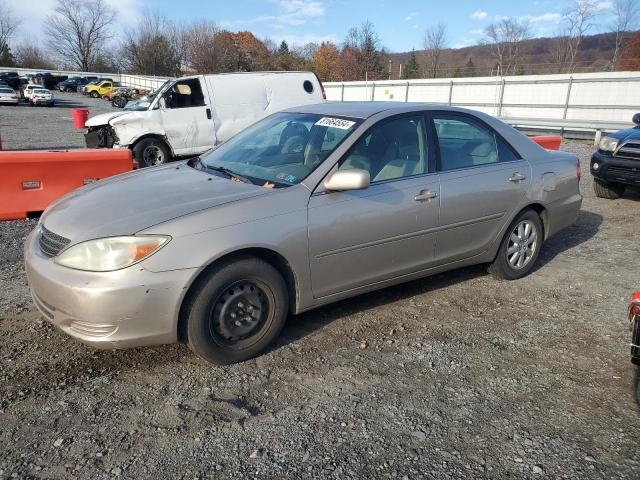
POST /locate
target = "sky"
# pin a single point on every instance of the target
(401, 24)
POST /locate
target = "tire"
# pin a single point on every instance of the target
(247, 287)
(151, 152)
(94, 94)
(119, 102)
(516, 259)
(610, 191)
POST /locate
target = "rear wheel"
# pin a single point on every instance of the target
(151, 152)
(236, 311)
(607, 190)
(119, 102)
(94, 94)
(520, 247)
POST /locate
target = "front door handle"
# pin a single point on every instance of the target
(425, 195)
(516, 177)
(209, 113)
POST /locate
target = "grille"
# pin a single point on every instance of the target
(630, 149)
(627, 171)
(51, 244)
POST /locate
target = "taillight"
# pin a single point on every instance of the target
(634, 308)
(578, 170)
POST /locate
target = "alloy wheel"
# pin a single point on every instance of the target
(522, 245)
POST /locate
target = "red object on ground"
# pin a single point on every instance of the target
(549, 142)
(80, 116)
(31, 180)
(634, 308)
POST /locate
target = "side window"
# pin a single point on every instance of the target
(464, 143)
(106, 85)
(185, 94)
(392, 149)
(505, 152)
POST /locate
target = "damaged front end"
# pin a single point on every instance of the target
(103, 136)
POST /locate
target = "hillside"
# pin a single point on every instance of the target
(594, 55)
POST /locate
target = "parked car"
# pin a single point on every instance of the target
(72, 84)
(306, 207)
(42, 96)
(616, 163)
(100, 89)
(8, 96)
(93, 81)
(634, 318)
(28, 91)
(191, 115)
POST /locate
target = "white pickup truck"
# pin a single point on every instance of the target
(190, 115)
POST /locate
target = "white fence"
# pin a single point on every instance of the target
(606, 96)
(139, 81)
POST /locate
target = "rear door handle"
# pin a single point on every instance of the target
(209, 113)
(516, 177)
(425, 195)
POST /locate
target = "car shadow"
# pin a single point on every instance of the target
(585, 227)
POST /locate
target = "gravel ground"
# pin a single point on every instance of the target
(455, 376)
(25, 127)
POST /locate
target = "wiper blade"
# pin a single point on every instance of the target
(228, 172)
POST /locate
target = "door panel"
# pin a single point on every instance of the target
(361, 237)
(187, 123)
(475, 203)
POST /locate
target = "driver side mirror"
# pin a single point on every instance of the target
(350, 179)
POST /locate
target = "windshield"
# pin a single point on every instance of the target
(282, 149)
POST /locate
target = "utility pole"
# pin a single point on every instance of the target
(390, 62)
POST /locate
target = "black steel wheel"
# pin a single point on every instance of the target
(236, 311)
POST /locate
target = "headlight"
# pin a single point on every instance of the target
(108, 254)
(608, 144)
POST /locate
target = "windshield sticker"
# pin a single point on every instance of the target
(287, 177)
(335, 123)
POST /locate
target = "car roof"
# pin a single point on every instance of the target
(368, 109)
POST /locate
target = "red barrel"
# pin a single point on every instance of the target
(80, 116)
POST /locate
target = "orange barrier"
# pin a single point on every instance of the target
(549, 142)
(31, 180)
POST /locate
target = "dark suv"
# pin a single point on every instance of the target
(72, 84)
(616, 164)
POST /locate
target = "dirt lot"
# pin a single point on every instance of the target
(454, 376)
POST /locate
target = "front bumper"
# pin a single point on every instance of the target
(616, 170)
(40, 101)
(126, 308)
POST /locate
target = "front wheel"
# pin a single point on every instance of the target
(94, 94)
(236, 311)
(610, 191)
(151, 152)
(520, 247)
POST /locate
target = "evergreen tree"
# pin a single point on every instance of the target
(470, 69)
(411, 69)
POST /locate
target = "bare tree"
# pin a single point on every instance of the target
(578, 20)
(434, 42)
(505, 39)
(150, 48)
(625, 20)
(78, 30)
(8, 26)
(32, 56)
(200, 52)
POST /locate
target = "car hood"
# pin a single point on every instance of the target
(128, 203)
(103, 119)
(627, 134)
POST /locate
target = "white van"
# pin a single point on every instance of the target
(190, 115)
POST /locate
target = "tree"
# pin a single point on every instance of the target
(505, 39)
(324, 62)
(469, 69)
(148, 49)
(78, 30)
(8, 26)
(630, 57)
(199, 50)
(362, 55)
(577, 22)
(434, 42)
(32, 56)
(625, 20)
(283, 56)
(411, 69)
